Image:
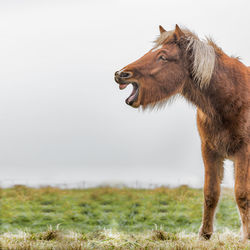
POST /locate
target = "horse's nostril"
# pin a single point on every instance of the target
(122, 75)
(125, 74)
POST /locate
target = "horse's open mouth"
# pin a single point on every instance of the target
(134, 95)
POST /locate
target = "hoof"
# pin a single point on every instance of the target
(245, 238)
(205, 236)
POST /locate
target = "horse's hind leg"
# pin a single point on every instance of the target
(242, 191)
(213, 175)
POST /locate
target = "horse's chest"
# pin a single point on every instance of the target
(219, 138)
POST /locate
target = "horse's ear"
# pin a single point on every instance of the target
(162, 30)
(178, 33)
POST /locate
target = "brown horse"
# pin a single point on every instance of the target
(219, 86)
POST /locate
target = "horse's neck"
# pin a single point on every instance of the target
(196, 96)
(226, 92)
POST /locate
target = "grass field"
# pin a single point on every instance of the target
(105, 217)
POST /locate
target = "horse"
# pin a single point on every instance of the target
(180, 63)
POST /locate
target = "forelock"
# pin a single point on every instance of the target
(162, 38)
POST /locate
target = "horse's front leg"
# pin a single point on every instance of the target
(242, 190)
(213, 175)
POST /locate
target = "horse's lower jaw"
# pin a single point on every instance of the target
(133, 98)
(133, 103)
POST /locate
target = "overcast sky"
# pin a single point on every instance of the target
(63, 119)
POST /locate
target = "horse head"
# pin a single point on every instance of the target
(157, 75)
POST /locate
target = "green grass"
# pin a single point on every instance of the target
(125, 211)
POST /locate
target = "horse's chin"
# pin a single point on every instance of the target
(135, 105)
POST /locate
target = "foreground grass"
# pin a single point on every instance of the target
(111, 239)
(133, 210)
(113, 218)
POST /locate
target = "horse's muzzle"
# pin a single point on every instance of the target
(122, 76)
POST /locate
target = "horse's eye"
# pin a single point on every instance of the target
(163, 58)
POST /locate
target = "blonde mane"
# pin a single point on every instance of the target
(202, 54)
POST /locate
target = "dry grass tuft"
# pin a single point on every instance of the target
(161, 235)
(51, 234)
(112, 239)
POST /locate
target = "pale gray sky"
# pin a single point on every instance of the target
(62, 116)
